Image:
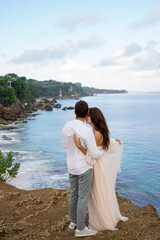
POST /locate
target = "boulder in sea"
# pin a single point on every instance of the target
(24, 121)
(48, 108)
(39, 100)
(2, 128)
(50, 100)
(70, 108)
(57, 105)
(67, 108)
(4, 137)
(41, 106)
(34, 114)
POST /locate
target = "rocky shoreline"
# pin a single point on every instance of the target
(43, 214)
(19, 111)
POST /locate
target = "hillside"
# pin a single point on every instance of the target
(91, 90)
(27, 90)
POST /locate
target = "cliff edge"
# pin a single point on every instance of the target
(43, 214)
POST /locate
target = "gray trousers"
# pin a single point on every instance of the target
(80, 186)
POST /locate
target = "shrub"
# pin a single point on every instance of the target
(7, 168)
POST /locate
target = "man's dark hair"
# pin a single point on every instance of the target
(81, 109)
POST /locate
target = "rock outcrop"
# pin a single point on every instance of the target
(19, 110)
(48, 108)
(67, 108)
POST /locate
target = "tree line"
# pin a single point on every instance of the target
(27, 90)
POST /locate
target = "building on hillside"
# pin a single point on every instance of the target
(9, 83)
(60, 92)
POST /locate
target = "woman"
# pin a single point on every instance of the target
(103, 206)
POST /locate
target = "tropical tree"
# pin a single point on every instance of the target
(20, 88)
(7, 168)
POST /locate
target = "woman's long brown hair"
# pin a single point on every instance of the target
(100, 125)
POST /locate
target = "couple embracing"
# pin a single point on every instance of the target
(93, 160)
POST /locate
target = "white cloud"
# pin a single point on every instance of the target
(69, 24)
(153, 18)
(147, 61)
(140, 71)
(111, 61)
(111, 77)
(132, 49)
(60, 52)
(135, 58)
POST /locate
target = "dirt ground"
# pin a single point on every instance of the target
(43, 214)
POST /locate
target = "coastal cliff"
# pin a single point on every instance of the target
(18, 95)
(19, 111)
(43, 214)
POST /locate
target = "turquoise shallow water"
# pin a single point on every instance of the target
(133, 118)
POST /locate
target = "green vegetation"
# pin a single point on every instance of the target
(91, 90)
(27, 90)
(7, 95)
(7, 168)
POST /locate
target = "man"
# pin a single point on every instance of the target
(80, 173)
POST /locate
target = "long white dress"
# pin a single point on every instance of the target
(103, 206)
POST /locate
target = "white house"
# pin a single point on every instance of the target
(9, 83)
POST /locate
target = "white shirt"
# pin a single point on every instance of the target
(76, 161)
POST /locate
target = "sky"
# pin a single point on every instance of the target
(100, 43)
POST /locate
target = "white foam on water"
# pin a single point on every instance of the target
(29, 180)
(33, 167)
(36, 173)
(19, 129)
(22, 181)
(59, 176)
(13, 136)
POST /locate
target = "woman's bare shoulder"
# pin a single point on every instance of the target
(97, 133)
(98, 137)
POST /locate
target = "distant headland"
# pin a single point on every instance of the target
(30, 89)
(20, 96)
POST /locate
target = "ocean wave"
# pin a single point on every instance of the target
(9, 138)
(38, 180)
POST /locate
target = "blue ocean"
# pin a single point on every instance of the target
(134, 118)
